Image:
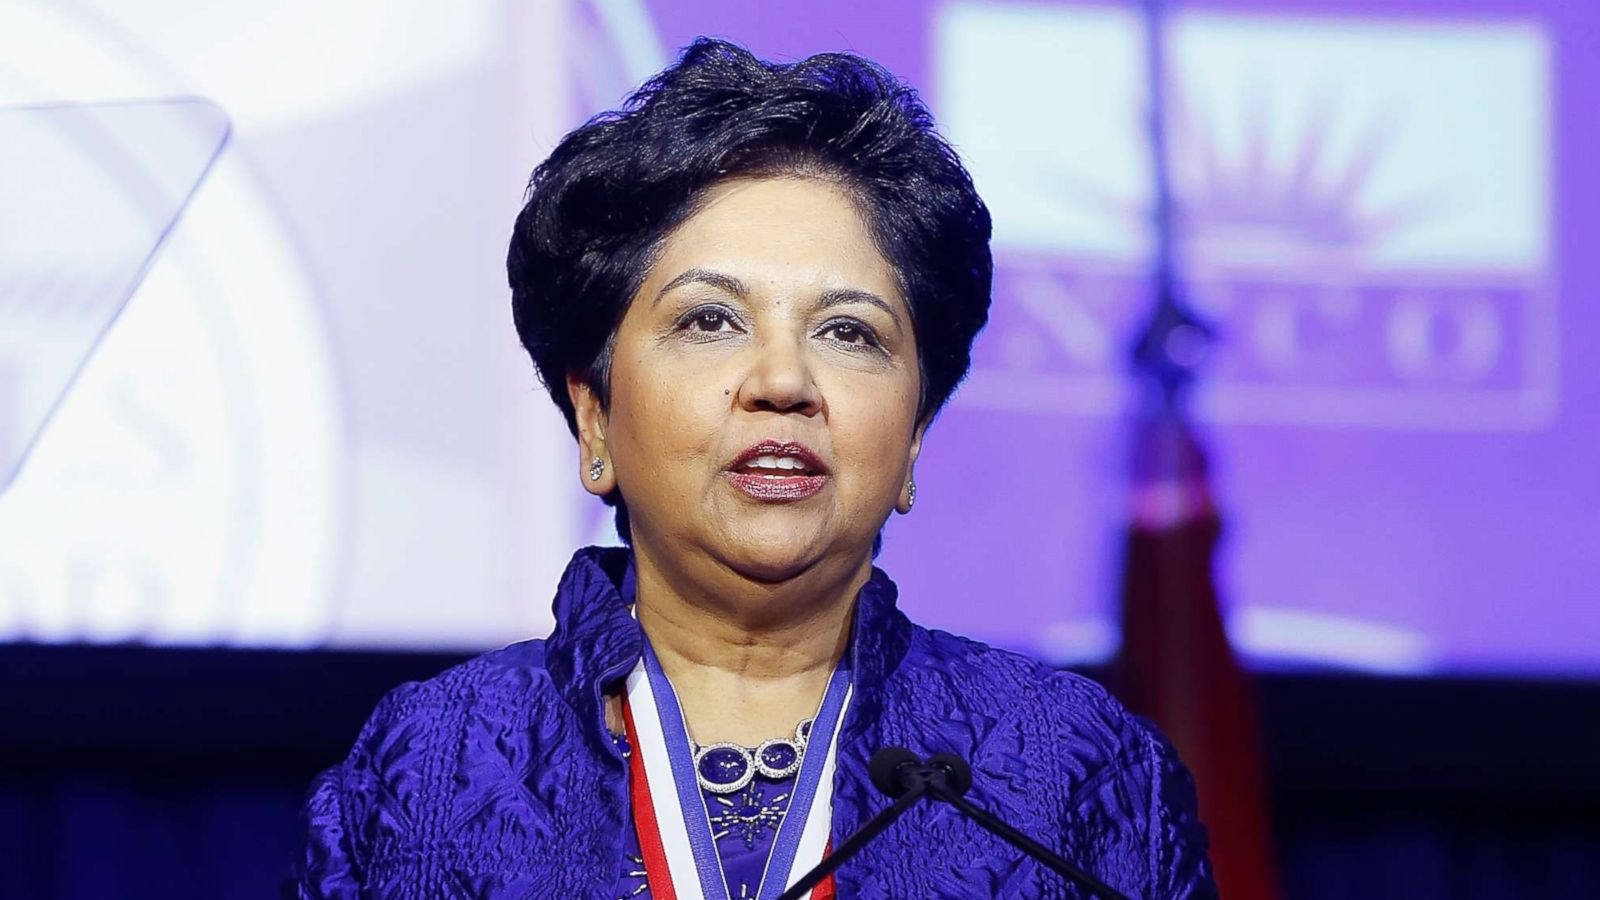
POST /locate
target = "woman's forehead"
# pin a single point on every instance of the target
(774, 233)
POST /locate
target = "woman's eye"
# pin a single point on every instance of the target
(851, 333)
(708, 321)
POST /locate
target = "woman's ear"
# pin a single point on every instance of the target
(596, 472)
(908, 491)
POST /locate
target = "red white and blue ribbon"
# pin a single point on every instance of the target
(681, 860)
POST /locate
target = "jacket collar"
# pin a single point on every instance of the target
(597, 642)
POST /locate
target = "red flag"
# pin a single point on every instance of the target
(1176, 665)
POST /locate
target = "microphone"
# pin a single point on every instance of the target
(951, 778)
(904, 777)
(895, 771)
(956, 775)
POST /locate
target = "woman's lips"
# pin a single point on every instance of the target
(790, 449)
(775, 471)
(778, 488)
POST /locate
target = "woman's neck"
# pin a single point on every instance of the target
(748, 660)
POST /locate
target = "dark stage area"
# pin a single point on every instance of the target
(140, 772)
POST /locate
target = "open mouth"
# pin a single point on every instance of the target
(770, 465)
(773, 471)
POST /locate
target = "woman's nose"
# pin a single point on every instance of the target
(780, 379)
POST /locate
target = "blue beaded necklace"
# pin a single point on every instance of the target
(725, 767)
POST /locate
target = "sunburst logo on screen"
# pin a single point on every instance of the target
(1362, 210)
(1298, 208)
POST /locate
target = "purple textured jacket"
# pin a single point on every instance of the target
(499, 778)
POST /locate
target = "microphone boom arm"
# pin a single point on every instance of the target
(999, 828)
(902, 775)
(860, 839)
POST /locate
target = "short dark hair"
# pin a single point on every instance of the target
(600, 206)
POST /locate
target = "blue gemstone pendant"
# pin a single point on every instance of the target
(723, 768)
(777, 758)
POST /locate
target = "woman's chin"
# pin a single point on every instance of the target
(773, 558)
(769, 564)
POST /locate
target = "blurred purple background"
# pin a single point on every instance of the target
(313, 426)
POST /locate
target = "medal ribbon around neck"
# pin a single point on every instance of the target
(675, 833)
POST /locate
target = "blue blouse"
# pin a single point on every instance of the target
(499, 779)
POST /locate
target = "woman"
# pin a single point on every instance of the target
(749, 291)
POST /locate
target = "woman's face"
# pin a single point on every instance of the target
(764, 386)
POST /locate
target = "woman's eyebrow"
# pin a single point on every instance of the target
(838, 296)
(732, 285)
(703, 276)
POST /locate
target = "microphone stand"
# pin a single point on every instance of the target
(863, 836)
(900, 774)
(998, 827)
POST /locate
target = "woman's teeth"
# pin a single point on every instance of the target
(769, 464)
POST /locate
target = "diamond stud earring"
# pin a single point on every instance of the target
(596, 469)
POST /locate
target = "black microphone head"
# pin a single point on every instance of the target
(889, 768)
(957, 773)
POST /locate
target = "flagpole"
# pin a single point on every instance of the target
(1155, 56)
(1173, 342)
(1176, 663)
